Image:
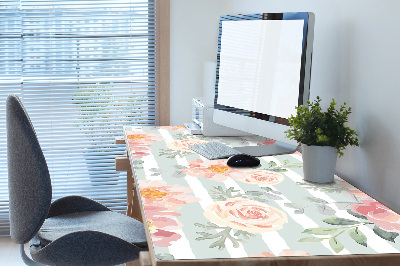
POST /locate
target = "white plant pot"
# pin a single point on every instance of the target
(319, 163)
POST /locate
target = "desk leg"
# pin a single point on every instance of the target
(144, 260)
(132, 197)
(129, 192)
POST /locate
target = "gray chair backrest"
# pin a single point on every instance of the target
(29, 183)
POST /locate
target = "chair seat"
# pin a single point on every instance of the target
(108, 222)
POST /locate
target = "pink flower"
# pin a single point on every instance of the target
(263, 255)
(157, 193)
(288, 252)
(285, 252)
(351, 189)
(261, 177)
(345, 184)
(162, 238)
(159, 221)
(247, 215)
(379, 214)
(139, 151)
(358, 193)
(159, 217)
(160, 203)
(216, 170)
(268, 142)
(140, 138)
(176, 128)
(182, 145)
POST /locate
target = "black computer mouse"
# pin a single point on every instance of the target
(242, 160)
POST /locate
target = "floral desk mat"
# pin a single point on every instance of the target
(198, 208)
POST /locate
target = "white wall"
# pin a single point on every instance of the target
(356, 59)
(194, 41)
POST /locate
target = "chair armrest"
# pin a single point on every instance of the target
(72, 204)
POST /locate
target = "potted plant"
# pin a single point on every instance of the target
(323, 135)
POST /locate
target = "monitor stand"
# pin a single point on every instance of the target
(266, 150)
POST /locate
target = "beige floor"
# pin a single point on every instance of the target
(9, 253)
(10, 256)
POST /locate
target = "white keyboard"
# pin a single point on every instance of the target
(214, 150)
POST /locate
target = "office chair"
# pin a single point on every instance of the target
(70, 231)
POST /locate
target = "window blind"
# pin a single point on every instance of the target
(83, 69)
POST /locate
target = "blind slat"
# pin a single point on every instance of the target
(83, 69)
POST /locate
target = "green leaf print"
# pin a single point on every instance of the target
(320, 231)
(222, 235)
(325, 209)
(336, 245)
(164, 256)
(340, 221)
(293, 205)
(311, 239)
(390, 236)
(357, 215)
(329, 188)
(314, 199)
(358, 236)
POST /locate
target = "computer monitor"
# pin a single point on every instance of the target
(263, 73)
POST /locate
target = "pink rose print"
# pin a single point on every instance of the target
(162, 238)
(161, 202)
(139, 151)
(160, 217)
(176, 128)
(216, 170)
(139, 143)
(351, 189)
(268, 142)
(359, 194)
(285, 252)
(264, 255)
(157, 193)
(247, 215)
(182, 145)
(261, 177)
(379, 214)
(288, 252)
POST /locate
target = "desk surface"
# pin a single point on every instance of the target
(202, 209)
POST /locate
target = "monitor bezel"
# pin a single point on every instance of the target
(305, 69)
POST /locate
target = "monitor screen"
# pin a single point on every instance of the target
(260, 63)
(263, 72)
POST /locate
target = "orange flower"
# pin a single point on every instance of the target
(216, 170)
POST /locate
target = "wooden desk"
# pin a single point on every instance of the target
(203, 212)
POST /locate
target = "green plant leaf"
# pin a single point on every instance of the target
(312, 126)
(336, 245)
(320, 231)
(311, 239)
(340, 221)
(358, 236)
(390, 236)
